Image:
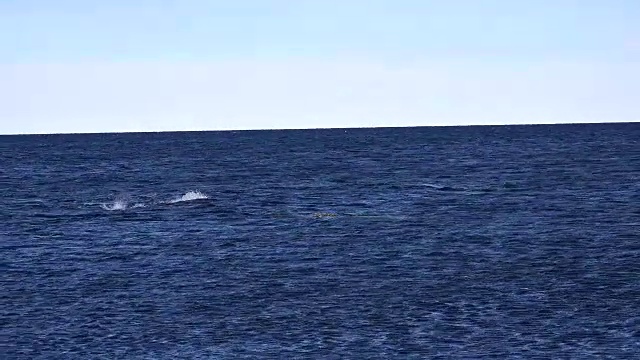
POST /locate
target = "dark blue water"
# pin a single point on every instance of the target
(470, 242)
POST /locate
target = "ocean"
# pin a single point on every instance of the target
(515, 242)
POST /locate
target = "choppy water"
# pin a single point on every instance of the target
(496, 242)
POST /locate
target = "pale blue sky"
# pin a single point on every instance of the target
(144, 65)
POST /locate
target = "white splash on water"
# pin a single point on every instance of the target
(122, 203)
(115, 206)
(189, 196)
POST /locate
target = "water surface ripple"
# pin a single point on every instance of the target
(464, 242)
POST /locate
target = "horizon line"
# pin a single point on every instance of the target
(318, 128)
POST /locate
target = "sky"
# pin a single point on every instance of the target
(76, 66)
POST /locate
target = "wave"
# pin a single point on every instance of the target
(443, 187)
(463, 190)
(189, 196)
